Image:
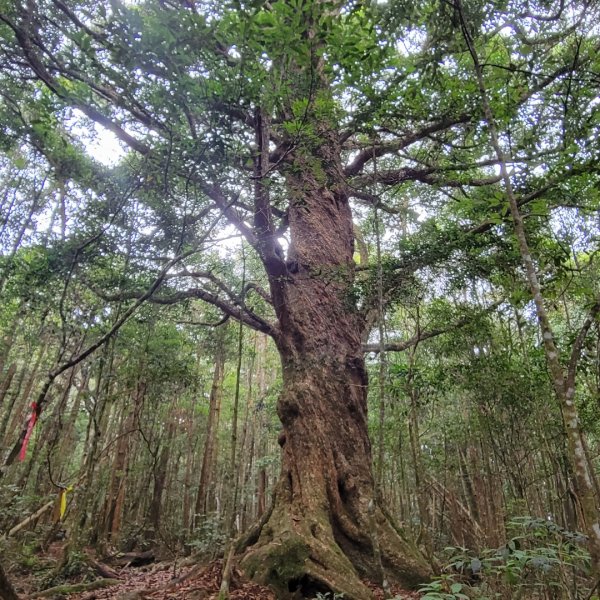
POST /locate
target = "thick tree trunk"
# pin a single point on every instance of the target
(319, 537)
(7, 592)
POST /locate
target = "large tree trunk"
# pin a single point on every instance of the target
(320, 536)
(7, 592)
(325, 531)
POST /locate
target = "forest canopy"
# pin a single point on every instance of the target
(311, 281)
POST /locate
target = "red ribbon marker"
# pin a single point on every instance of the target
(30, 427)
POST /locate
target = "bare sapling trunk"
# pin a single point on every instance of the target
(8, 377)
(115, 495)
(205, 488)
(159, 476)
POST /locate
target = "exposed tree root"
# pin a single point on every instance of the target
(321, 535)
(76, 588)
(252, 534)
(300, 561)
(400, 559)
(304, 557)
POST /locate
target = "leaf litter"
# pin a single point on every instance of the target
(163, 582)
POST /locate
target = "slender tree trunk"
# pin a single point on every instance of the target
(189, 429)
(13, 396)
(44, 443)
(118, 480)
(382, 371)
(69, 435)
(468, 487)
(417, 458)
(232, 477)
(160, 477)
(248, 451)
(207, 472)
(261, 503)
(563, 380)
(96, 425)
(22, 402)
(418, 469)
(261, 413)
(8, 377)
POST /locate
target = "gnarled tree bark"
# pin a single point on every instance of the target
(319, 537)
(7, 592)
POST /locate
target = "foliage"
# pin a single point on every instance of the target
(443, 588)
(209, 538)
(74, 566)
(379, 105)
(540, 557)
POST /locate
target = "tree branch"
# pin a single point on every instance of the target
(579, 341)
(269, 248)
(379, 149)
(431, 175)
(244, 314)
(401, 346)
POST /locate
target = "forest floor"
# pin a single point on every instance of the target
(192, 583)
(166, 581)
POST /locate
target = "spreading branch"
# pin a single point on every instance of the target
(379, 149)
(431, 175)
(243, 314)
(401, 346)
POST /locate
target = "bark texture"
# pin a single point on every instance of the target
(7, 592)
(319, 537)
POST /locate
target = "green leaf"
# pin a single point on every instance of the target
(456, 587)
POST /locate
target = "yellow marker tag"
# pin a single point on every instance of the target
(63, 502)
